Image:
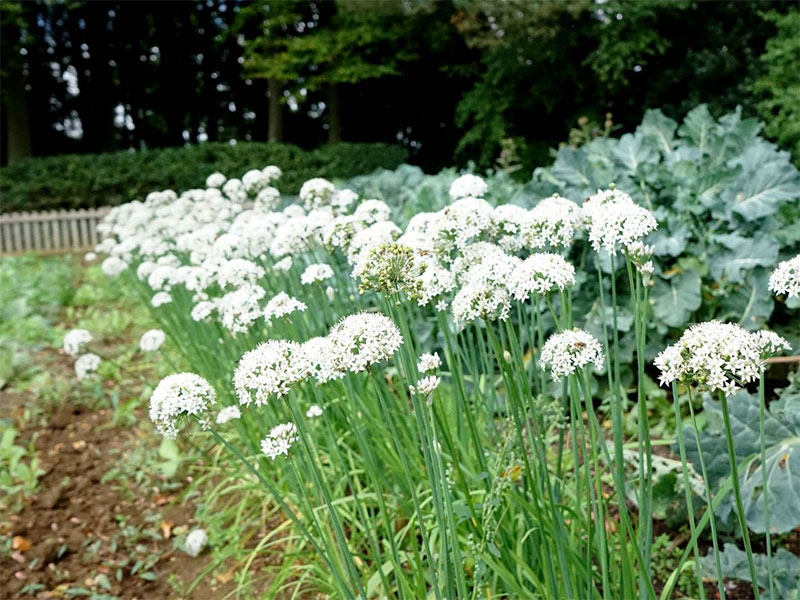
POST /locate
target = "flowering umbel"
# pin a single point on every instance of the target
(280, 440)
(785, 279)
(177, 396)
(564, 353)
(717, 356)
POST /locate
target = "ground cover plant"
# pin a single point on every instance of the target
(457, 402)
(93, 503)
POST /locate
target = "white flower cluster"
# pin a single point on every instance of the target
(717, 356)
(316, 193)
(353, 344)
(179, 395)
(316, 272)
(229, 413)
(541, 274)
(75, 340)
(86, 365)
(566, 352)
(785, 279)
(364, 339)
(468, 186)
(152, 340)
(616, 221)
(426, 386)
(282, 304)
(429, 362)
(313, 411)
(270, 369)
(280, 440)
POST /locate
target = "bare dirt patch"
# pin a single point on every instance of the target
(81, 531)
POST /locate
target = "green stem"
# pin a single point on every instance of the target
(737, 492)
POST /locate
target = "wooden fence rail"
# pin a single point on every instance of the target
(50, 231)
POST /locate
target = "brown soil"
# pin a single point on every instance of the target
(70, 533)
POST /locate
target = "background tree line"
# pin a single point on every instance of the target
(452, 80)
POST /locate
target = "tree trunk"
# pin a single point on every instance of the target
(18, 130)
(334, 115)
(275, 126)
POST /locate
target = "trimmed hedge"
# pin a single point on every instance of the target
(90, 180)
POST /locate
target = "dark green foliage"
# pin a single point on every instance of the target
(782, 427)
(778, 88)
(734, 566)
(90, 180)
(727, 202)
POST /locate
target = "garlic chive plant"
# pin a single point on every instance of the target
(419, 396)
(720, 358)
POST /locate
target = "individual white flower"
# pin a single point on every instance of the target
(363, 339)
(229, 413)
(282, 304)
(283, 265)
(785, 279)
(113, 266)
(426, 386)
(317, 192)
(216, 180)
(86, 365)
(177, 396)
(90, 257)
(429, 362)
(152, 340)
(280, 440)
(316, 272)
(566, 352)
(314, 411)
(541, 274)
(195, 542)
(75, 340)
(468, 186)
(616, 221)
(269, 369)
(330, 293)
(160, 299)
(553, 222)
(717, 356)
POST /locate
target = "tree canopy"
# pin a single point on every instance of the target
(452, 81)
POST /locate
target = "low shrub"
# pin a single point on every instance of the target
(90, 180)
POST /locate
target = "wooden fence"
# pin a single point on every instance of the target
(51, 231)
